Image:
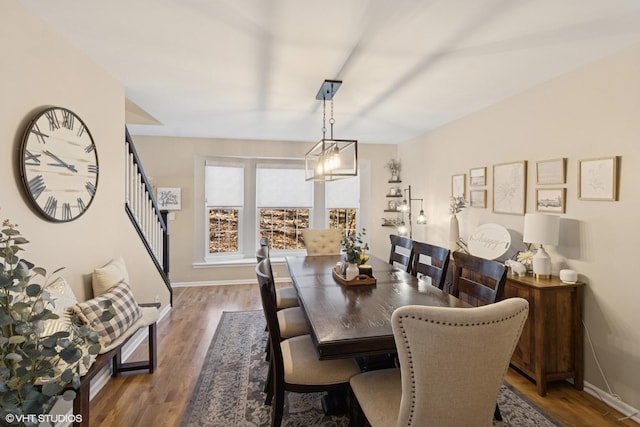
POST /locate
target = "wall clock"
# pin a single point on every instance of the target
(59, 164)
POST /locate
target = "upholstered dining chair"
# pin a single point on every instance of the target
(322, 241)
(294, 362)
(478, 281)
(400, 258)
(286, 297)
(450, 379)
(430, 261)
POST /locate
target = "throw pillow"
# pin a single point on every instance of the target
(61, 298)
(108, 276)
(126, 313)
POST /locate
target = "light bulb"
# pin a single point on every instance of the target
(402, 229)
(421, 218)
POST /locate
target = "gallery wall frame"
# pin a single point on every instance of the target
(458, 185)
(551, 171)
(551, 200)
(169, 198)
(598, 178)
(510, 187)
(478, 198)
(478, 177)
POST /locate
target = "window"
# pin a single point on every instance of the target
(343, 203)
(284, 201)
(225, 201)
(247, 199)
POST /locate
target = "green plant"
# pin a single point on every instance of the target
(355, 248)
(35, 369)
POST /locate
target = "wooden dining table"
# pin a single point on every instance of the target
(355, 320)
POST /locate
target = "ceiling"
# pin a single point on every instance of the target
(251, 69)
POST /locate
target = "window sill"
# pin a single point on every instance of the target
(243, 262)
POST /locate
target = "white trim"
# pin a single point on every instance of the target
(612, 401)
(243, 262)
(225, 282)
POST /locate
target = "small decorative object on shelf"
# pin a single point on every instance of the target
(456, 205)
(394, 167)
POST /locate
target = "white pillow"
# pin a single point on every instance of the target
(105, 278)
(62, 297)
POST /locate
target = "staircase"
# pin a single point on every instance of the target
(142, 209)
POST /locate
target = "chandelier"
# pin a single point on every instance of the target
(330, 159)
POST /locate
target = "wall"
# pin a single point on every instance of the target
(592, 112)
(179, 162)
(39, 69)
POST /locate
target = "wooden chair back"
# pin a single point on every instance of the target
(262, 253)
(435, 267)
(264, 242)
(268, 298)
(400, 258)
(476, 280)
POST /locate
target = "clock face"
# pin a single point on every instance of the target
(59, 164)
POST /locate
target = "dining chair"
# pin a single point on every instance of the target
(322, 241)
(400, 257)
(286, 297)
(429, 261)
(450, 379)
(294, 362)
(478, 281)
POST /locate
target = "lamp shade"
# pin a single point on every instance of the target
(541, 229)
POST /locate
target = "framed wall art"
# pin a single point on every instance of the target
(478, 198)
(551, 171)
(478, 177)
(458, 185)
(597, 178)
(168, 199)
(550, 200)
(509, 187)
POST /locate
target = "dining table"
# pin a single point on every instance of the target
(354, 320)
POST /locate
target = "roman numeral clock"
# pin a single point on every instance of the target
(59, 164)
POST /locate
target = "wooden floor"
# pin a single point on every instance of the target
(184, 337)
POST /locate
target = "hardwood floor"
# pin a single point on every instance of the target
(184, 337)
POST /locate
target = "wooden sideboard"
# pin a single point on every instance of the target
(551, 345)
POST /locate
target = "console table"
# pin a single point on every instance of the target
(551, 344)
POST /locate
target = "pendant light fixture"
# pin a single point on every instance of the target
(331, 159)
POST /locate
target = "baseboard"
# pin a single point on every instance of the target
(225, 282)
(613, 402)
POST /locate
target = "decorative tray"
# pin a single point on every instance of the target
(361, 279)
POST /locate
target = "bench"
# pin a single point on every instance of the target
(112, 357)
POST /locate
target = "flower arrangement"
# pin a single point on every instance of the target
(456, 204)
(394, 167)
(526, 258)
(354, 247)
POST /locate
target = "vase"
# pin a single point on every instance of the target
(352, 271)
(454, 233)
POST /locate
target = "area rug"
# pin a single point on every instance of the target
(229, 389)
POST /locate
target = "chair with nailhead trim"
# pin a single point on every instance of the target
(322, 241)
(452, 363)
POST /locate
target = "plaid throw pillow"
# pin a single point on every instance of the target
(126, 313)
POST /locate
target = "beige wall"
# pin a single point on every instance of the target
(39, 69)
(179, 162)
(591, 112)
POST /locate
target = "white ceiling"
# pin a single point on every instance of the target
(252, 68)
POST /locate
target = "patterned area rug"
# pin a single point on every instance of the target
(229, 390)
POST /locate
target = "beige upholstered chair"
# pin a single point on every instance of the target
(452, 362)
(324, 241)
(294, 362)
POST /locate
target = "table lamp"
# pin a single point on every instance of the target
(543, 230)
